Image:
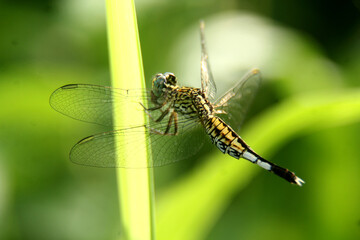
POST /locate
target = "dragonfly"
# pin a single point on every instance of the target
(179, 118)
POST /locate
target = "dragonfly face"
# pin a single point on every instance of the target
(177, 118)
(161, 81)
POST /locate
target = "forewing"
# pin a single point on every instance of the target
(207, 81)
(93, 103)
(100, 150)
(236, 101)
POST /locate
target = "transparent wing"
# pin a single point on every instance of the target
(100, 150)
(93, 103)
(207, 81)
(236, 101)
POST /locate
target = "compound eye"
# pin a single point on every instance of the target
(170, 78)
(158, 84)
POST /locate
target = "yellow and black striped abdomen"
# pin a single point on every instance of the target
(225, 138)
(228, 141)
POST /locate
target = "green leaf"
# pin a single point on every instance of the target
(135, 185)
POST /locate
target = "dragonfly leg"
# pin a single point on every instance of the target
(175, 123)
(172, 118)
(163, 113)
(152, 108)
(158, 105)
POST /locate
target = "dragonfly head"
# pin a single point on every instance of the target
(162, 81)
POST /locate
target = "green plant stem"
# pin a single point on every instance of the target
(135, 185)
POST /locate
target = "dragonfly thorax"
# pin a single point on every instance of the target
(204, 108)
(163, 81)
(191, 103)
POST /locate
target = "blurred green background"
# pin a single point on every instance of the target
(305, 117)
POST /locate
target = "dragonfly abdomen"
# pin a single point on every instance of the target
(228, 141)
(225, 138)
